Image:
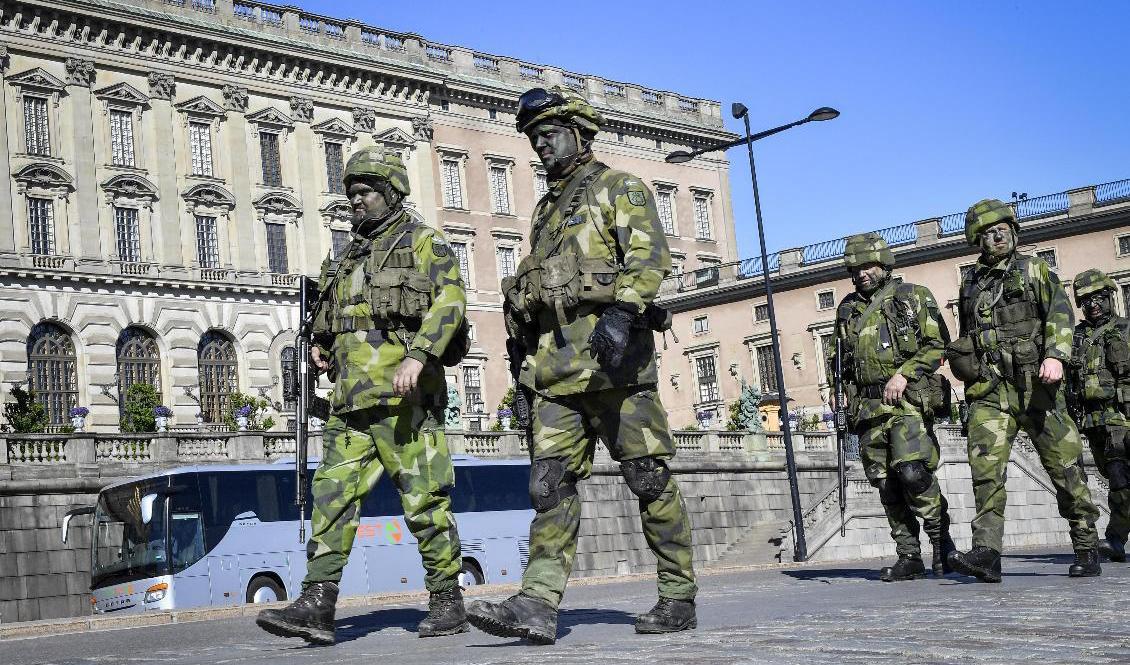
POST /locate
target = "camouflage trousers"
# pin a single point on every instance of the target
(896, 436)
(994, 420)
(633, 424)
(1110, 443)
(407, 441)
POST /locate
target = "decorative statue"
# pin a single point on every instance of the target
(749, 416)
(452, 418)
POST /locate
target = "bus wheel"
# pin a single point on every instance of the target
(470, 574)
(264, 589)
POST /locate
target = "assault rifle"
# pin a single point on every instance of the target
(302, 392)
(841, 433)
(1072, 371)
(523, 412)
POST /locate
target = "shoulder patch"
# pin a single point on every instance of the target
(440, 247)
(636, 197)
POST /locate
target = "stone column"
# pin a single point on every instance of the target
(425, 169)
(80, 75)
(243, 217)
(308, 185)
(7, 225)
(167, 234)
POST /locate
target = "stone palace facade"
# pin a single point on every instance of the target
(171, 166)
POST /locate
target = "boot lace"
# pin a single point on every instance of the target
(663, 608)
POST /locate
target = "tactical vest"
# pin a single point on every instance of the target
(1002, 319)
(1100, 360)
(562, 282)
(898, 333)
(377, 286)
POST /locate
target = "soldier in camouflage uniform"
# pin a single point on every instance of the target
(579, 313)
(1016, 325)
(391, 306)
(1100, 397)
(893, 339)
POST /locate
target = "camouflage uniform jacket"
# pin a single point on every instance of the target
(1100, 372)
(362, 326)
(1018, 314)
(896, 330)
(601, 216)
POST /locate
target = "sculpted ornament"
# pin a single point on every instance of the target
(161, 86)
(422, 127)
(235, 98)
(365, 120)
(302, 108)
(79, 71)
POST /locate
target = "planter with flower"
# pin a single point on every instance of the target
(504, 416)
(161, 415)
(242, 416)
(78, 417)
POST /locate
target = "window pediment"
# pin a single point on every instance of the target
(38, 78)
(279, 205)
(212, 196)
(44, 176)
(272, 117)
(122, 93)
(130, 186)
(395, 138)
(334, 127)
(202, 106)
(337, 210)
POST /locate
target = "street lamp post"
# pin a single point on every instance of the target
(800, 546)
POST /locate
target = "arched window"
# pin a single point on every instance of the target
(139, 361)
(216, 358)
(289, 366)
(51, 370)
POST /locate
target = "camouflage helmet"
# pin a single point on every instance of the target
(538, 104)
(375, 162)
(1091, 281)
(985, 213)
(865, 248)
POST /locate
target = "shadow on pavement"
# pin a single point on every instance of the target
(567, 620)
(355, 627)
(825, 574)
(1065, 559)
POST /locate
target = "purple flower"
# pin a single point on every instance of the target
(162, 411)
(504, 412)
(244, 411)
(80, 412)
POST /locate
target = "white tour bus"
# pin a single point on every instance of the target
(223, 535)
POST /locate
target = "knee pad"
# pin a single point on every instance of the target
(890, 493)
(550, 484)
(646, 476)
(914, 477)
(1118, 474)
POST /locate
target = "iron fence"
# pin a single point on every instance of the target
(1112, 192)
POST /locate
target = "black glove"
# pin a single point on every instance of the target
(612, 334)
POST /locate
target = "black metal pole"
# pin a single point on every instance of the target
(800, 546)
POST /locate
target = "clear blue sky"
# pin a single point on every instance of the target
(943, 103)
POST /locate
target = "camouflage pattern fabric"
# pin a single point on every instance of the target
(1091, 281)
(365, 343)
(373, 161)
(1107, 443)
(898, 329)
(986, 213)
(1018, 314)
(633, 423)
(614, 220)
(407, 441)
(994, 419)
(864, 248)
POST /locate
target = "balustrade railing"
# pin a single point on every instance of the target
(1112, 192)
(1041, 206)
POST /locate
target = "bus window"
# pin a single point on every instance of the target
(383, 501)
(186, 539)
(491, 487)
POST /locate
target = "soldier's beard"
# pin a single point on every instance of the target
(871, 286)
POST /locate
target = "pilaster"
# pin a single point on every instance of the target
(167, 243)
(80, 75)
(243, 217)
(7, 216)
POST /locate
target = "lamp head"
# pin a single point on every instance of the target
(738, 110)
(679, 157)
(823, 113)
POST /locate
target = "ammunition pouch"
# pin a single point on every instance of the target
(654, 318)
(567, 281)
(961, 354)
(930, 394)
(402, 293)
(522, 292)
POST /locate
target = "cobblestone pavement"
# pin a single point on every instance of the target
(812, 615)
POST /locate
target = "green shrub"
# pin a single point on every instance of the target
(137, 414)
(255, 420)
(25, 414)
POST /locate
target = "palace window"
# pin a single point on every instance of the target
(766, 368)
(701, 325)
(1049, 256)
(37, 132)
(335, 167)
(41, 225)
(200, 145)
(139, 361)
(121, 138)
(761, 312)
(499, 190)
(460, 251)
(473, 389)
(704, 230)
(51, 371)
(664, 202)
(276, 248)
(217, 365)
(506, 263)
(288, 363)
(706, 369)
(339, 240)
(1123, 245)
(127, 233)
(825, 300)
(541, 184)
(452, 184)
(207, 244)
(272, 162)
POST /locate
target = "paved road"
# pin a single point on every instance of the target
(836, 614)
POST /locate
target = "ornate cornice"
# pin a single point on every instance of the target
(278, 204)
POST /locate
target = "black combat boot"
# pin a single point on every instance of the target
(1113, 550)
(1086, 564)
(310, 616)
(906, 568)
(981, 562)
(668, 616)
(445, 615)
(943, 547)
(517, 616)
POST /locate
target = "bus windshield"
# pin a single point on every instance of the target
(126, 548)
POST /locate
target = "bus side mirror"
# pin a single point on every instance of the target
(82, 510)
(147, 508)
